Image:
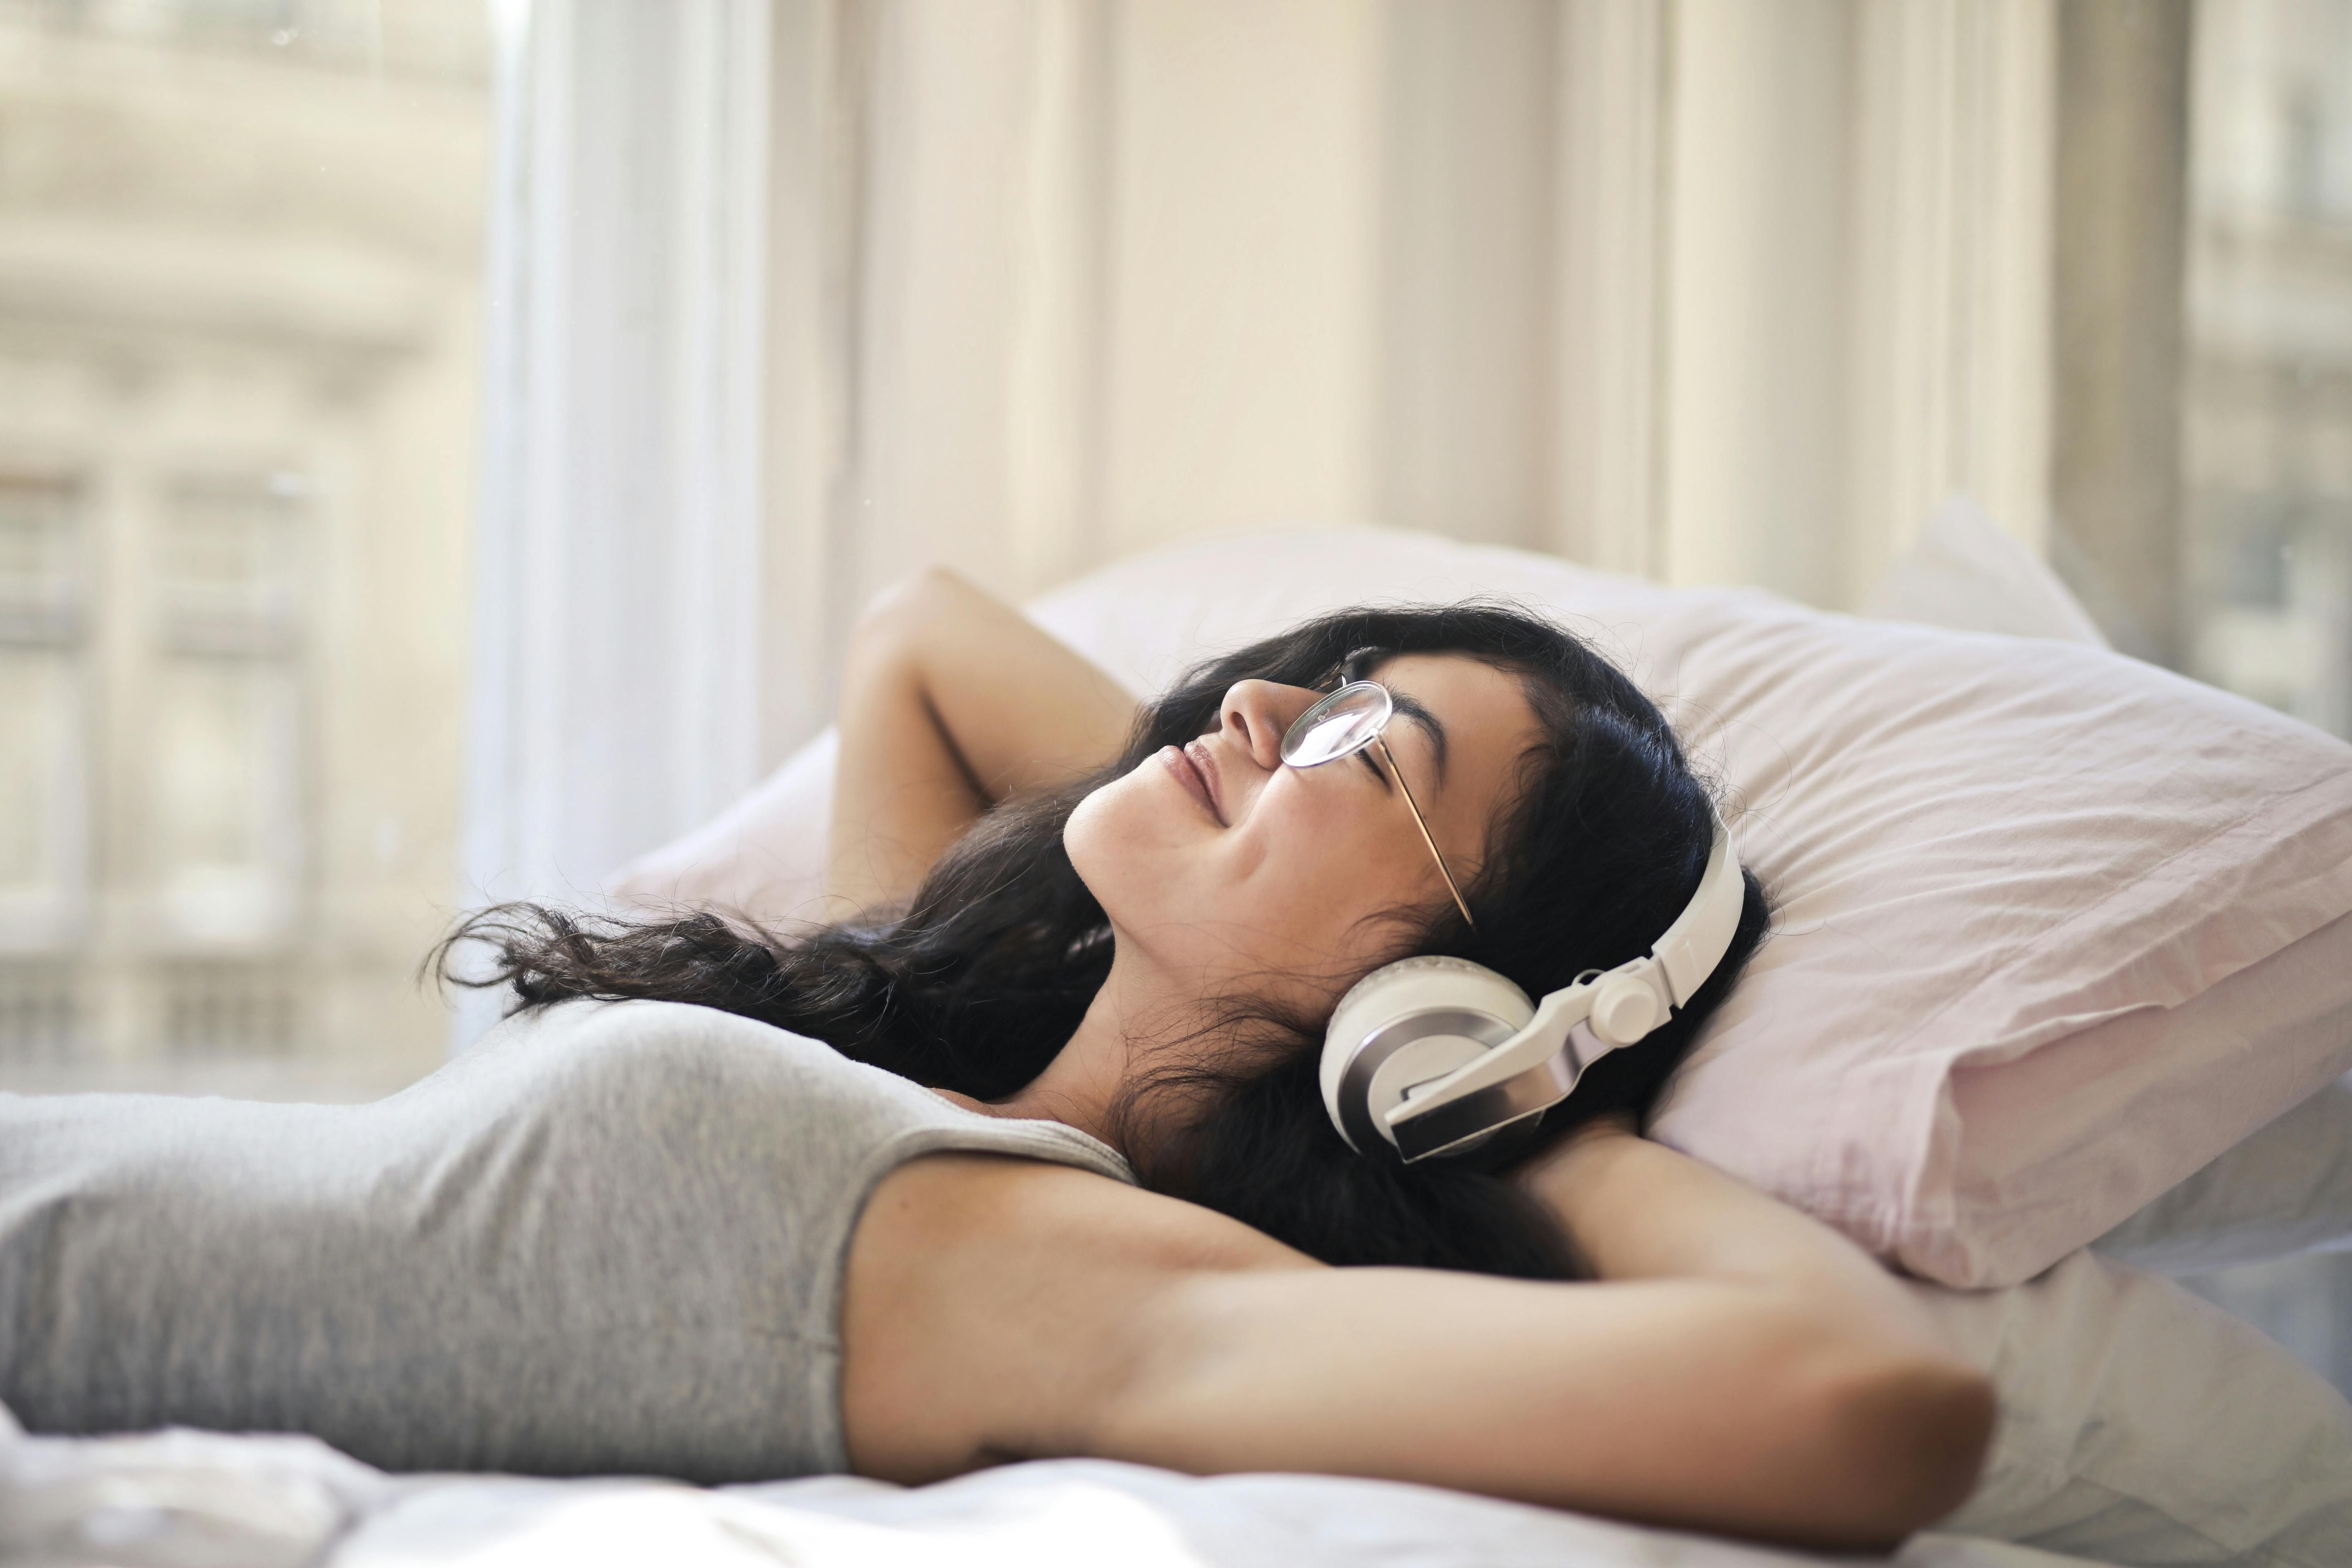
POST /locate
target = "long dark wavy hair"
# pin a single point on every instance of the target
(980, 978)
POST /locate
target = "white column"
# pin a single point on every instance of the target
(1757, 275)
(1950, 354)
(1608, 242)
(1853, 312)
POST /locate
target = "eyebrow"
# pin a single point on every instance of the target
(1431, 725)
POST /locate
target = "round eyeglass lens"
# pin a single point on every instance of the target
(1342, 724)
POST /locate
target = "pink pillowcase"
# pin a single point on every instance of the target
(2004, 869)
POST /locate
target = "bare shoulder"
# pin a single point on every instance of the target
(986, 1298)
(1000, 1204)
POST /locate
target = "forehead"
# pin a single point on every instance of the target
(1488, 722)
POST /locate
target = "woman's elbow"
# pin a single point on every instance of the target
(1908, 1437)
(912, 601)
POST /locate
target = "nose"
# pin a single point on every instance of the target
(1256, 714)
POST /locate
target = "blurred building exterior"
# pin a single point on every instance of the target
(2265, 450)
(2267, 436)
(239, 278)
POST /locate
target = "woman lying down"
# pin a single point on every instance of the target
(1188, 1086)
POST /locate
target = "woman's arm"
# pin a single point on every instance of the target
(1630, 1204)
(1747, 1382)
(950, 701)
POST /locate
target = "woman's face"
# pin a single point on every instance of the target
(1231, 871)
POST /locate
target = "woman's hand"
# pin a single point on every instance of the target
(1638, 1210)
(951, 702)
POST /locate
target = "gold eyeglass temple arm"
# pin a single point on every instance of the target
(1398, 773)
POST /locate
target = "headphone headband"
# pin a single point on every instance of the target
(1689, 949)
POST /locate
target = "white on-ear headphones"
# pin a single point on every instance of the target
(1434, 1054)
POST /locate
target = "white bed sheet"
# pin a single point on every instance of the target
(187, 1500)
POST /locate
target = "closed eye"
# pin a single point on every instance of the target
(1365, 756)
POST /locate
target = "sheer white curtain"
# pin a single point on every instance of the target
(617, 628)
(796, 295)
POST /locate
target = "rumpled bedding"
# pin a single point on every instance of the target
(197, 1499)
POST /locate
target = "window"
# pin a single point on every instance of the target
(44, 740)
(228, 815)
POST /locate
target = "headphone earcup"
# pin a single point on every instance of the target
(1404, 1023)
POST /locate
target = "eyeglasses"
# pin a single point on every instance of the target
(1344, 723)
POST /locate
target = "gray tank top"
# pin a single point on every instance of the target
(608, 1239)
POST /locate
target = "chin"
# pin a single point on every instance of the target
(1084, 832)
(1124, 845)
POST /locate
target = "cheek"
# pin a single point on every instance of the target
(1298, 886)
(1316, 883)
(1322, 888)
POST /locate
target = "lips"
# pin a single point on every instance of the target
(1197, 772)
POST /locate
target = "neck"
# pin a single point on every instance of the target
(1082, 1085)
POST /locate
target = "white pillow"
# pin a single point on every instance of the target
(2140, 1424)
(2287, 1187)
(763, 858)
(1963, 573)
(2001, 867)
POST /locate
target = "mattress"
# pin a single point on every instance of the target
(189, 1500)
